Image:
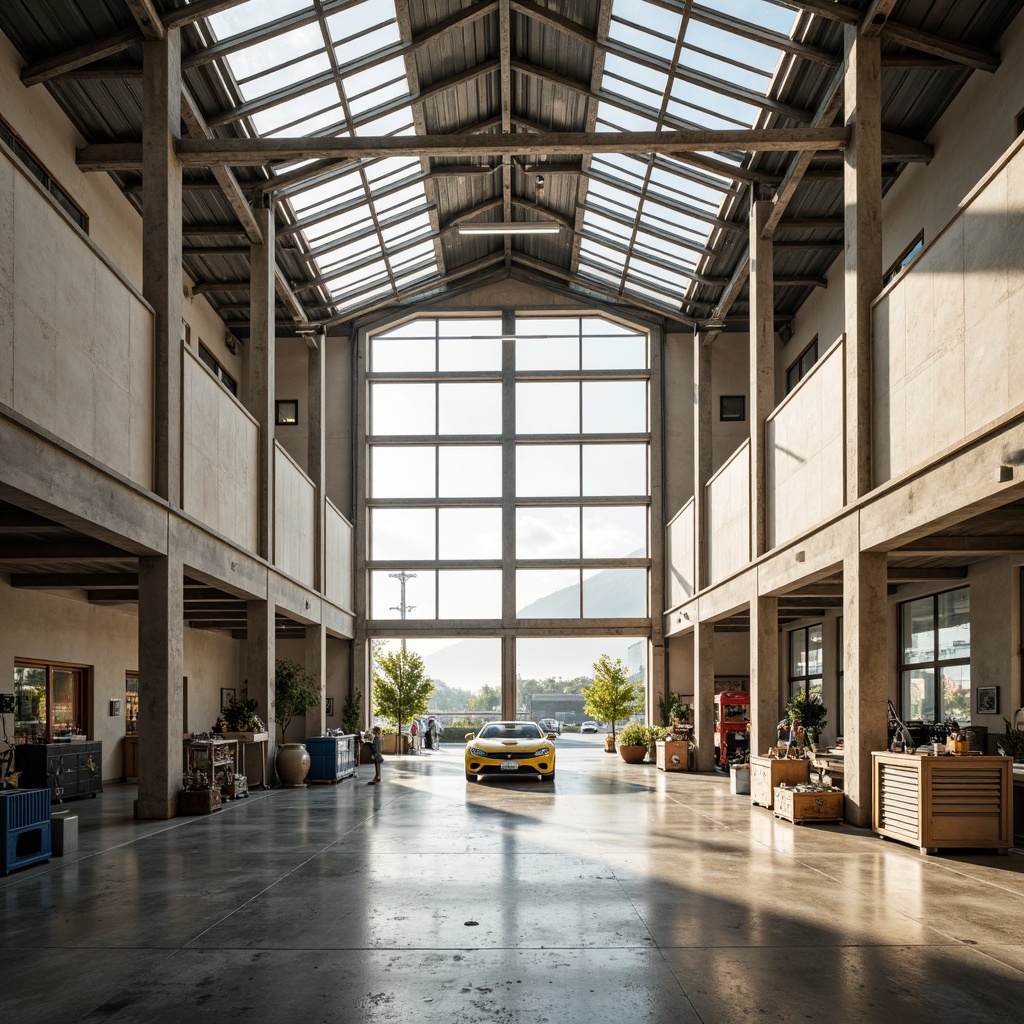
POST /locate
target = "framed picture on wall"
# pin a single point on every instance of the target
(227, 694)
(987, 700)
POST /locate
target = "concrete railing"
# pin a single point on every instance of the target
(805, 451)
(294, 519)
(680, 582)
(220, 456)
(76, 346)
(946, 362)
(339, 558)
(727, 516)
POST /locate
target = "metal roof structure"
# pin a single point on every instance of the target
(379, 127)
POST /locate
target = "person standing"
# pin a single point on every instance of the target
(377, 744)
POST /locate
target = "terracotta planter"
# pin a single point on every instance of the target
(633, 755)
(292, 763)
(391, 743)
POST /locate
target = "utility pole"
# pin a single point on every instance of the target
(402, 607)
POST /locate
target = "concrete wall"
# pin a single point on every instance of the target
(220, 455)
(104, 640)
(946, 359)
(76, 339)
(339, 554)
(680, 581)
(294, 519)
(805, 452)
(727, 516)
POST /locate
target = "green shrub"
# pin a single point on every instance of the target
(634, 735)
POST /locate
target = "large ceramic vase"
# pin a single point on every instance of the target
(292, 763)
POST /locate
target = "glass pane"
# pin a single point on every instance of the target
(798, 653)
(547, 353)
(402, 472)
(814, 650)
(615, 532)
(615, 407)
(956, 693)
(955, 624)
(918, 695)
(615, 594)
(402, 409)
(62, 699)
(469, 594)
(469, 471)
(548, 408)
(390, 354)
(547, 470)
(610, 469)
(386, 595)
(401, 533)
(607, 346)
(547, 533)
(469, 533)
(918, 631)
(470, 353)
(470, 408)
(547, 593)
(29, 704)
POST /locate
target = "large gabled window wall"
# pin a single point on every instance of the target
(507, 474)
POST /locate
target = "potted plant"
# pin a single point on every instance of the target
(242, 722)
(295, 693)
(611, 695)
(199, 796)
(655, 733)
(808, 710)
(634, 739)
(352, 714)
(1011, 743)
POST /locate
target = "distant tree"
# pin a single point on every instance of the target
(401, 687)
(295, 693)
(611, 695)
(449, 698)
(488, 699)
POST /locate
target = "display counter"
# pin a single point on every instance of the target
(938, 802)
(66, 769)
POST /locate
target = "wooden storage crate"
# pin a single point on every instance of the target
(200, 801)
(673, 756)
(822, 805)
(768, 772)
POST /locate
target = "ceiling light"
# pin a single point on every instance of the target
(519, 227)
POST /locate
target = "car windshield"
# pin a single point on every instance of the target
(510, 731)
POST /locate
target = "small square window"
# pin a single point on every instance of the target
(732, 407)
(286, 412)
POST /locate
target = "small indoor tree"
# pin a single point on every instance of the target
(352, 713)
(611, 695)
(808, 710)
(401, 687)
(295, 693)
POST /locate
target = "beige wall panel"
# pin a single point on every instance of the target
(727, 513)
(822, 554)
(294, 518)
(821, 316)
(726, 598)
(6, 345)
(677, 367)
(679, 557)
(339, 557)
(219, 456)
(338, 454)
(206, 326)
(291, 380)
(995, 636)
(730, 357)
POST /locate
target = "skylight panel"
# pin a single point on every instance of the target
(353, 47)
(329, 193)
(252, 15)
(357, 19)
(298, 110)
(626, 22)
(270, 81)
(398, 122)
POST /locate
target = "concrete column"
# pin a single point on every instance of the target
(865, 675)
(161, 249)
(361, 669)
(260, 665)
(657, 669)
(762, 371)
(315, 451)
(161, 669)
(704, 694)
(316, 666)
(764, 673)
(862, 190)
(701, 454)
(508, 515)
(261, 371)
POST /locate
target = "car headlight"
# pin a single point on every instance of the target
(541, 752)
(477, 752)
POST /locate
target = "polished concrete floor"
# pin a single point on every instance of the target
(620, 894)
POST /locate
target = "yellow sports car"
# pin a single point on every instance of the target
(512, 749)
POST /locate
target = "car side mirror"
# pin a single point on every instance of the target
(550, 736)
(470, 736)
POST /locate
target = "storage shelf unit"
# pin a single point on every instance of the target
(24, 828)
(217, 758)
(768, 772)
(67, 769)
(331, 758)
(941, 802)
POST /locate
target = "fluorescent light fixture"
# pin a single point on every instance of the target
(518, 227)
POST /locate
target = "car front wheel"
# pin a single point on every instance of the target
(470, 777)
(550, 777)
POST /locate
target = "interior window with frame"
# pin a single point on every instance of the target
(210, 360)
(801, 366)
(935, 658)
(805, 661)
(906, 257)
(49, 700)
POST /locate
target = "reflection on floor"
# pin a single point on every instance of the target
(620, 894)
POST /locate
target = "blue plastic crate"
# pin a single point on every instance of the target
(24, 828)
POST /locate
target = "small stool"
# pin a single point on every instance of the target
(64, 826)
